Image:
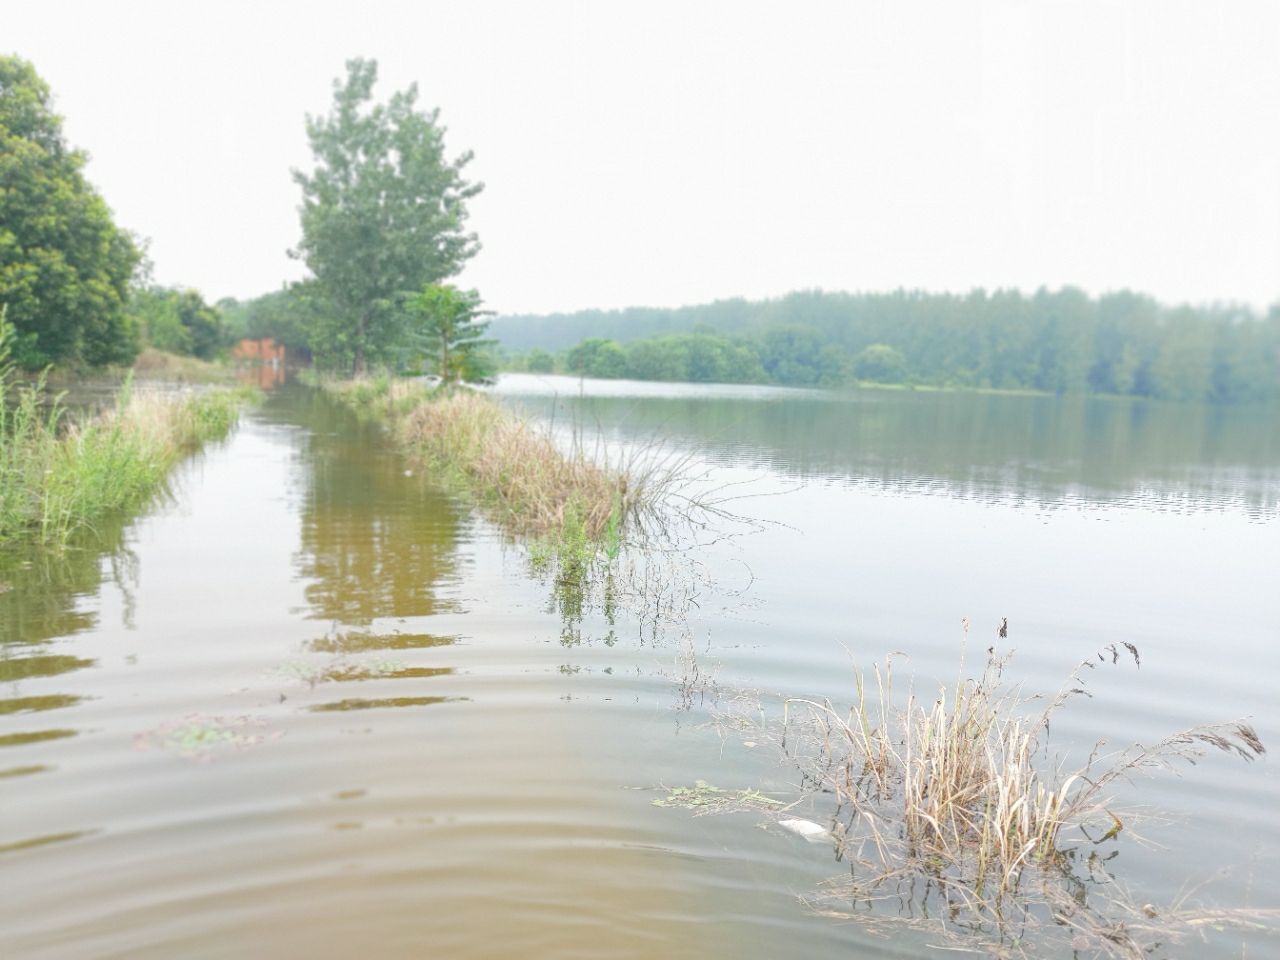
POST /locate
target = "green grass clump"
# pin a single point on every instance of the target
(58, 476)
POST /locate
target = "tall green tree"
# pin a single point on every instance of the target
(448, 327)
(64, 265)
(383, 215)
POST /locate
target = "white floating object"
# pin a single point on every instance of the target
(748, 744)
(813, 832)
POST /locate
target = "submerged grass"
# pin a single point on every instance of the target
(59, 476)
(955, 799)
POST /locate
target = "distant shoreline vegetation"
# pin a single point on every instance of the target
(1054, 342)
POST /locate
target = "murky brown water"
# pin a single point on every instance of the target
(313, 707)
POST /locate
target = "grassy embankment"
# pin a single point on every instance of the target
(564, 503)
(59, 475)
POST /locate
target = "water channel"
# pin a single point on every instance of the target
(313, 705)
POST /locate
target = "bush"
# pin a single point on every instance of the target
(880, 363)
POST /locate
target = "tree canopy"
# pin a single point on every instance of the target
(179, 321)
(383, 216)
(64, 265)
(448, 328)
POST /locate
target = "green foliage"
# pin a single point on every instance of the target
(798, 356)
(880, 363)
(695, 358)
(64, 265)
(179, 321)
(1059, 341)
(539, 361)
(446, 325)
(204, 325)
(597, 357)
(383, 214)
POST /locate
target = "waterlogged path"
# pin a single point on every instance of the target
(313, 707)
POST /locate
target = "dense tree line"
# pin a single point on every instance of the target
(691, 358)
(1055, 341)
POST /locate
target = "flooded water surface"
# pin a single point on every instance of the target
(314, 705)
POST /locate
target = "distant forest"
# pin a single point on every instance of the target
(1061, 341)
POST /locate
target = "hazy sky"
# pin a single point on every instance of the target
(665, 153)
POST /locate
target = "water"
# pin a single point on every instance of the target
(311, 705)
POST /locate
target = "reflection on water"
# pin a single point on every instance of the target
(17, 668)
(44, 586)
(373, 545)
(44, 841)
(39, 736)
(358, 703)
(200, 708)
(52, 701)
(1041, 450)
(354, 641)
(265, 376)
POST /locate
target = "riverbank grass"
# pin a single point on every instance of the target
(566, 503)
(59, 476)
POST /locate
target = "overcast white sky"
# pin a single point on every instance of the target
(665, 153)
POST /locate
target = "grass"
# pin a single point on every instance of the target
(955, 798)
(59, 476)
(153, 364)
(150, 364)
(703, 797)
(567, 505)
(606, 530)
(519, 472)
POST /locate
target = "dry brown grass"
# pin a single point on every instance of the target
(535, 488)
(957, 792)
(153, 364)
(518, 470)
